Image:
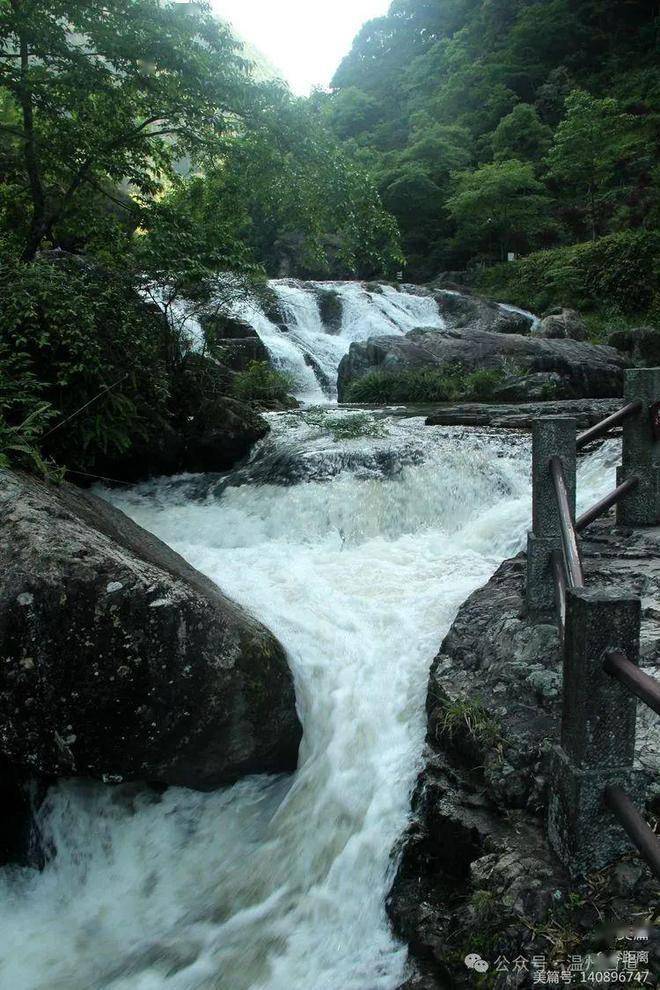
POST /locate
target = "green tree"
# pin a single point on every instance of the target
(501, 206)
(521, 135)
(592, 145)
(111, 93)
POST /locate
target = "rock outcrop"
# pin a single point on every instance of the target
(520, 416)
(564, 324)
(234, 344)
(461, 310)
(208, 429)
(119, 661)
(641, 344)
(533, 368)
(475, 860)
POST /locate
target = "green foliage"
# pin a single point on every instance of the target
(450, 383)
(262, 384)
(591, 147)
(516, 78)
(521, 135)
(501, 205)
(619, 273)
(111, 93)
(342, 427)
(80, 331)
(24, 415)
(463, 716)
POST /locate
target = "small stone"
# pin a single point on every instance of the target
(25, 599)
(546, 683)
(114, 586)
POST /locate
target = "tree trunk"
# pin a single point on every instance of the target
(38, 224)
(592, 211)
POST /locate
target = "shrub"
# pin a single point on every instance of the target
(98, 351)
(617, 272)
(261, 383)
(24, 416)
(445, 384)
(346, 427)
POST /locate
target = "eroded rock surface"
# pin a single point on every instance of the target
(120, 661)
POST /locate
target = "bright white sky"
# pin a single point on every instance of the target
(304, 39)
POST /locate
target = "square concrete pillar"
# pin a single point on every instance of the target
(583, 833)
(641, 452)
(599, 713)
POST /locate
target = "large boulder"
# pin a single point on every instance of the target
(572, 369)
(119, 661)
(234, 344)
(563, 324)
(460, 310)
(331, 308)
(641, 344)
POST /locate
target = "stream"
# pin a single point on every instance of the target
(357, 553)
(280, 883)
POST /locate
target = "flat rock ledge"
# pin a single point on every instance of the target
(521, 415)
(475, 873)
(119, 661)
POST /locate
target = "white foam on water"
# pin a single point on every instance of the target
(280, 883)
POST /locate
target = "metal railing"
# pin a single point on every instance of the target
(599, 634)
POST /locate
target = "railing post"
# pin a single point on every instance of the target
(597, 732)
(641, 452)
(552, 436)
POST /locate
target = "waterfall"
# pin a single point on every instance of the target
(308, 350)
(279, 883)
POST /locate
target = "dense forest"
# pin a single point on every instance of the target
(142, 157)
(511, 126)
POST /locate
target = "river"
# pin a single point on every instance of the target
(357, 553)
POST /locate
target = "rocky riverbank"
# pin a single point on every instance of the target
(476, 874)
(120, 661)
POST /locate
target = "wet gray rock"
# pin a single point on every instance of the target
(119, 661)
(475, 859)
(331, 309)
(460, 311)
(564, 324)
(578, 370)
(641, 344)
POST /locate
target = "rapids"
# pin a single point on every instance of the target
(280, 883)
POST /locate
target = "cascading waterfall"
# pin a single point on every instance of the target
(309, 351)
(280, 883)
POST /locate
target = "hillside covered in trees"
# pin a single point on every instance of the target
(507, 126)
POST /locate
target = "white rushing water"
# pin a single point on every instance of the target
(280, 883)
(305, 343)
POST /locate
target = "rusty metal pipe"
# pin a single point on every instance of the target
(606, 503)
(570, 551)
(605, 425)
(631, 821)
(642, 685)
(560, 594)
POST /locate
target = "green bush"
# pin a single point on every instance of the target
(98, 351)
(447, 384)
(619, 273)
(262, 384)
(346, 427)
(24, 416)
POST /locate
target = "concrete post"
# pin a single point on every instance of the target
(552, 436)
(597, 733)
(641, 452)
